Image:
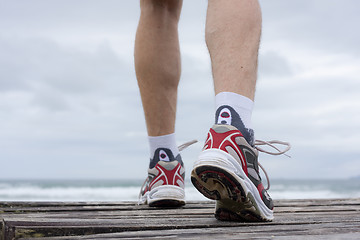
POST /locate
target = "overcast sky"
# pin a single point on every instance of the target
(70, 107)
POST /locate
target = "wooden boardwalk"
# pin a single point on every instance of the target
(294, 219)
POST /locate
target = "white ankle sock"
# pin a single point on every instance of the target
(165, 141)
(241, 104)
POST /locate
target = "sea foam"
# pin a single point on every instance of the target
(128, 191)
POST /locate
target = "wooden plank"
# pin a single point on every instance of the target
(307, 231)
(53, 227)
(303, 226)
(151, 212)
(140, 211)
(165, 214)
(59, 206)
(280, 207)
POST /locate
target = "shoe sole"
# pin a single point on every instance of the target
(219, 177)
(167, 203)
(165, 196)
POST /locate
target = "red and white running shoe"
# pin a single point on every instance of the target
(164, 186)
(227, 170)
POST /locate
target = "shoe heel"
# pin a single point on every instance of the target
(214, 176)
(217, 183)
(166, 196)
(218, 158)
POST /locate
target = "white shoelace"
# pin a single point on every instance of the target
(187, 144)
(279, 152)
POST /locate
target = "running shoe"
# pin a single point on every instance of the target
(164, 186)
(227, 170)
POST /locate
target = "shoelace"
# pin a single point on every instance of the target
(279, 152)
(187, 144)
(181, 148)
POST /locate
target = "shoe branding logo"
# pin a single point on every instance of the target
(163, 156)
(224, 117)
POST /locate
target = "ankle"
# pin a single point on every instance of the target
(235, 109)
(163, 148)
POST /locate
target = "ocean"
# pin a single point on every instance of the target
(128, 190)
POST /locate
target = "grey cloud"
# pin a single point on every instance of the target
(327, 25)
(272, 64)
(50, 100)
(66, 14)
(44, 68)
(312, 164)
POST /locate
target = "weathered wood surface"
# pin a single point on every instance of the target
(294, 219)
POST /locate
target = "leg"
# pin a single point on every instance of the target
(229, 157)
(157, 63)
(233, 30)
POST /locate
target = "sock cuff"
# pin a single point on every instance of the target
(164, 141)
(233, 99)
